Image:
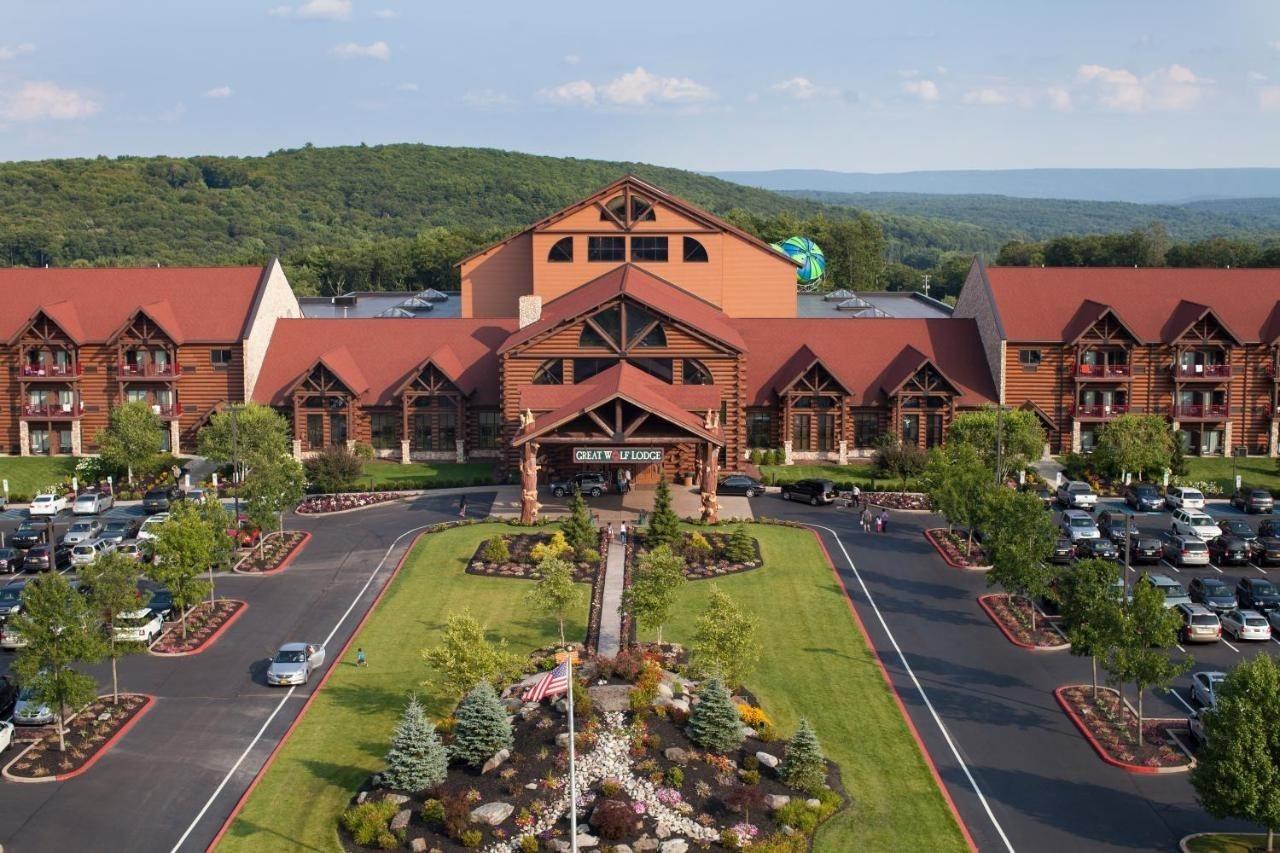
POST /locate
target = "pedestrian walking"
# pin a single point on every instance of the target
(608, 533)
(878, 523)
(884, 521)
(857, 496)
(866, 519)
(622, 533)
(462, 507)
(360, 659)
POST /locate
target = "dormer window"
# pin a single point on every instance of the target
(561, 251)
(641, 210)
(694, 251)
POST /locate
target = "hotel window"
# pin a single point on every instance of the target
(561, 251)
(641, 322)
(800, 432)
(660, 368)
(1029, 358)
(315, 431)
(220, 357)
(382, 428)
(641, 209)
(760, 429)
(421, 426)
(606, 249)
(550, 372)
(826, 432)
(448, 433)
(694, 251)
(910, 429)
(649, 249)
(866, 429)
(488, 430)
(696, 373)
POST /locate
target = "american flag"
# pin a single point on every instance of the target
(555, 681)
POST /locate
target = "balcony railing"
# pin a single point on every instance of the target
(1211, 411)
(1103, 371)
(1100, 410)
(1202, 371)
(151, 371)
(51, 370)
(53, 410)
(167, 410)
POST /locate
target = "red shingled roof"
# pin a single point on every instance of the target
(208, 304)
(387, 351)
(693, 398)
(860, 351)
(1043, 303)
(644, 287)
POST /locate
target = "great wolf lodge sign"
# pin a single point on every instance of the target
(617, 455)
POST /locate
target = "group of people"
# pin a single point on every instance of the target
(623, 480)
(871, 520)
(622, 533)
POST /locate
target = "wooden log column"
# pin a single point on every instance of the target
(710, 482)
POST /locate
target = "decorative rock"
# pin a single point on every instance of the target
(532, 786)
(621, 848)
(776, 801)
(676, 754)
(418, 845)
(492, 813)
(562, 740)
(401, 820)
(813, 803)
(561, 706)
(361, 797)
(512, 704)
(665, 691)
(611, 697)
(644, 844)
(398, 799)
(770, 761)
(495, 762)
(747, 731)
(675, 845)
(788, 830)
(681, 704)
(662, 831)
(585, 840)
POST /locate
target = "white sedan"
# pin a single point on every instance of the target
(151, 526)
(1246, 625)
(294, 663)
(6, 735)
(47, 504)
(1204, 687)
(138, 626)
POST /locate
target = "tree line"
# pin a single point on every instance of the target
(1140, 247)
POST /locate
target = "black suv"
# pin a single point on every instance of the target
(1111, 524)
(1212, 593)
(1228, 548)
(1062, 552)
(1257, 594)
(592, 483)
(1253, 500)
(10, 560)
(1143, 497)
(28, 533)
(813, 492)
(161, 498)
(1145, 548)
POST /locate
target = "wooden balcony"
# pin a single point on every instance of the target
(1201, 412)
(164, 372)
(167, 410)
(51, 371)
(1099, 411)
(52, 411)
(1103, 372)
(1202, 372)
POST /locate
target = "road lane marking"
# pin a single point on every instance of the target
(1176, 695)
(1259, 568)
(1165, 562)
(946, 735)
(1233, 648)
(257, 737)
(1180, 648)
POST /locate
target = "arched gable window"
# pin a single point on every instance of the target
(694, 251)
(641, 210)
(550, 372)
(561, 251)
(695, 372)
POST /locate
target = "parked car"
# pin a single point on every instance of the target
(1112, 525)
(1097, 549)
(1204, 687)
(11, 598)
(28, 712)
(1045, 495)
(82, 531)
(1273, 619)
(1266, 550)
(10, 639)
(1063, 551)
(1172, 591)
(1077, 494)
(1185, 551)
(1195, 726)
(1236, 527)
(1257, 594)
(6, 735)
(1253, 500)
(197, 496)
(161, 498)
(148, 528)
(294, 663)
(812, 492)
(1145, 548)
(246, 534)
(740, 484)
(8, 697)
(47, 504)
(1246, 625)
(92, 503)
(1229, 550)
(119, 530)
(10, 561)
(594, 483)
(44, 557)
(1269, 527)
(89, 552)
(1199, 624)
(138, 626)
(1078, 524)
(1213, 593)
(1183, 497)
(1193, 522)
(27, 534)
(138, 550)
(1143, 497)
(158, 597)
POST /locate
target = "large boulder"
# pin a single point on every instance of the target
(644, 844)
(398, 799)
(674, 845)
(776, 801)
(676, 754)
(418, 845)
(492, 813)
(496, 761)
(611, 697)
(401, 820)
(768, 760)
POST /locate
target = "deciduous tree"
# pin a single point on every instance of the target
(1021, 438)
(1090, 603)
(555, 592)
(724, 642)
(260, 433)
(658, 577)
(1020, 538)
(1135, 443)
(185, 547)
(959, 484)
(112, 581)
(334, 470)
(132, 438)
(1147, 630)
(272, 486)
(465, 656)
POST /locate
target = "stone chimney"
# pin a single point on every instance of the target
(530, 310)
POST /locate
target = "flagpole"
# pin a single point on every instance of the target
(573, 776)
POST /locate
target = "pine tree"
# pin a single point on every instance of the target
(741, 547)
(579, 530)
(664, 524)
(482, 728)
(803, 767)
(417, 760)
(714, 722)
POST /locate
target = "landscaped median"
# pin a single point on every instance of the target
(1223, 842)
(1014, 621)
(204, 625)
(956, 551)
(89, 735)
(1110, 726)
(275, 553)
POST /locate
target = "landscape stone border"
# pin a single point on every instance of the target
(210, 640)
(982, 602)
(931, 534)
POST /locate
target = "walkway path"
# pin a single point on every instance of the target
(610, 618)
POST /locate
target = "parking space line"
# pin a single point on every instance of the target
(1170, 565)
(1181, 649)
(1228, 645)
(1176, 695)
(1259, 568)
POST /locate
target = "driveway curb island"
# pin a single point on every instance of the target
(284, 564)
(1140, 769)
(982, 602)
(93, 759)
(931, 535)
(208, 641)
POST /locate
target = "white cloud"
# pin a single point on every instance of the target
(37, 100)
(1173, 88)
(406, 87)
(572, 59)
(486, 99)
(986, 97)
(219, 92)
(13, 51)
(351, 50)
(386, 14)
(925, 90)
(1269, 98)
(316, 10)
(1256, 76)
(638, 88)
(1059, 98)
(802, 88)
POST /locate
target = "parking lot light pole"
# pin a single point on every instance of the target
(1128, 547)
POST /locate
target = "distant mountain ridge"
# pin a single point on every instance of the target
(1141, 186)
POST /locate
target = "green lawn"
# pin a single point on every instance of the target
(29, 474)
(1260, 471)
(426, 475)
(1228, 843)
(345, 734)
(816, 665)
(843, 475)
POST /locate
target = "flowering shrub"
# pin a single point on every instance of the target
(319, 504)
(753, 716)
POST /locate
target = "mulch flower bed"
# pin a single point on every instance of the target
(89, 733)
(204, 623)
(1014, 620)
(898, 500)
(321, 504)
(1111, 726)
(701, 564)
(953, 546)
(521, 564)
(276, 549)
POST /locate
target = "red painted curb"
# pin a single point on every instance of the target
(266, 765)
(1140, 769)
(62, 777)
(982, 602)
(902, 708)
(937, 546)
(217, 635)
(284, 564)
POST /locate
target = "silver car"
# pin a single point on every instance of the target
(92, 503)
(1186, 551)
(1077, 525)
(294, 663)
(29, 712)
(88, 552)
(1204, 687)
(82, 531)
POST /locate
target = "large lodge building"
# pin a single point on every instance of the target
(633, 325)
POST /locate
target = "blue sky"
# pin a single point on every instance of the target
(700, 84)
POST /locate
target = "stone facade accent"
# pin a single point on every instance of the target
(175, 433)
(975, 302)
(24, 438)
(1075, 436)
(844, 452)
(404, 452)
(275, 301)
(77, 439)
(297, 449)
(530, 310)
(787, 458)
(460, 451)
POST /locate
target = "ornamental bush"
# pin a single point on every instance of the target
(482, 728)
(417, 760)
(696, 548)
(714, 722)
(335, 469)
(664, 524)
(496, 550)
(741, 548)
(557, 547)
(803, 767)
(370, 824)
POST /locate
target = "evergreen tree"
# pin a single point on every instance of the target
(741, 548)
(482, 728)
(417, 760)
(714, 722)
(579, 531)
(803, 767)
(664, 524)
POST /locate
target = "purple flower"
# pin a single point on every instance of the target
(638, 807)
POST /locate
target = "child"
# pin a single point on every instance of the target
(360, 659)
